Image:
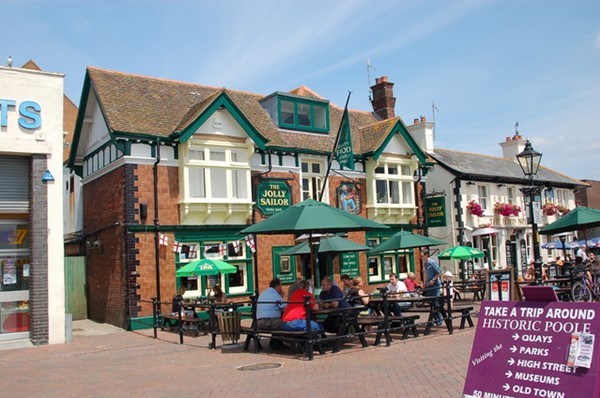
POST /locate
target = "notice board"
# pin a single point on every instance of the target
(523, 349)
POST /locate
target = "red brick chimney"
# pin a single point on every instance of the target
(383, 98)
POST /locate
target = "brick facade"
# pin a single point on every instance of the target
(38, 285)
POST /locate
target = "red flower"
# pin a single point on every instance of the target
(475, 208)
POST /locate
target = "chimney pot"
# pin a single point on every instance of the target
(423, 119)
(508, 139)
(415, 121)
(383, 98)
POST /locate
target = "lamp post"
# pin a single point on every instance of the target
(529, 160)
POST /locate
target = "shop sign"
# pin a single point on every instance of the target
(535, 349)
(435, 211)
(273, 196)
(29, 112)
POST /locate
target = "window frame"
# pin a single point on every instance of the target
(313, 178)
(396, 183)
(200, 171)
(313, 106)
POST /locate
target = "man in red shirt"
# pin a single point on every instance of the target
(294, 314)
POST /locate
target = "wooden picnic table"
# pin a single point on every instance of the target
(348, 326)
(433, 303)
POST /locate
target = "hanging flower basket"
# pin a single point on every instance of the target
(562, 209)
(549, 209)
(507, 209)
(474, 208)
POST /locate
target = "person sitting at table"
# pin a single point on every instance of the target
(293, 287)
(356, 296)
(530, 274)
(294, 315)
(219, 295)
(412, 285)
(178, 300)
(178, 307)
(269, 307)
(397, 288)
(346, 282)
(329, 291)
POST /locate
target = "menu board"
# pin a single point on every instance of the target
(500, 284)
(535, 349)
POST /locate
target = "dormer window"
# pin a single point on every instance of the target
(298, 113)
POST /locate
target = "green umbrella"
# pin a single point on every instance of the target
(313, 217)
(204, 267)
(460, 253)
(332, 244)
(406, 240)
(579, 218)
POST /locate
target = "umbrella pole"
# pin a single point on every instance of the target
(313, 260)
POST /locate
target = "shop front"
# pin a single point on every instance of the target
(32, 305)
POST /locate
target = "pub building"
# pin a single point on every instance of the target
(173, 171)
(32, 304)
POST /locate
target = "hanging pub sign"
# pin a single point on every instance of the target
(273, 196)
(348, 197)
(435, 211)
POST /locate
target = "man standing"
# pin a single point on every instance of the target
(581, 253)
(433, 273)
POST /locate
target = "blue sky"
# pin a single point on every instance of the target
(485, 64)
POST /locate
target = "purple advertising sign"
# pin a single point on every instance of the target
(527, 349)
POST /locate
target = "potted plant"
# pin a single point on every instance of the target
(475, 208)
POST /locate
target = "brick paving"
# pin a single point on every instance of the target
(133, 364)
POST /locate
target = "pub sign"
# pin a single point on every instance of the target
(435, 211)
(273, 196)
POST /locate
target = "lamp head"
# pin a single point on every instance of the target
(529, 160)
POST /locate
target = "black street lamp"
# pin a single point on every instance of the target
(529, 160)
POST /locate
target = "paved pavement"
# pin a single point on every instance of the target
(103, 361)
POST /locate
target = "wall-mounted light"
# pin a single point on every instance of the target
(500, 185)
(47, 177)
(143, 211)
(470, 183)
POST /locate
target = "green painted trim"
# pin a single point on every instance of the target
(400, 128)
(140, 323)
(228, 229)
(223, 100)
(312, 104)
(78, 125)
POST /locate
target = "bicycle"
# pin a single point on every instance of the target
(588, 287)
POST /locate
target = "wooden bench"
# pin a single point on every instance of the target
(465, 316)
(406, 324)
(304, 340)
(307, 340)
(468, 287)
(194, 325)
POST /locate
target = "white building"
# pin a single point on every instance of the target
(32, 308)
(484, 205)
